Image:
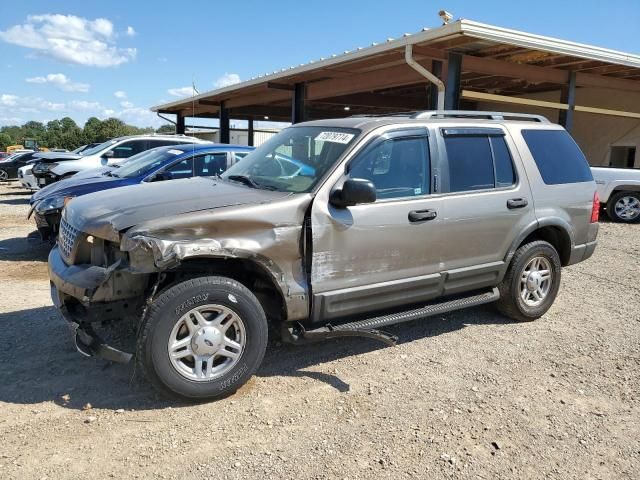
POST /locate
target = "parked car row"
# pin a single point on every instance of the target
(158, 164)
(330, 228)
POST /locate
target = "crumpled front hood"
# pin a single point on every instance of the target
(50, 157)
(108, 212)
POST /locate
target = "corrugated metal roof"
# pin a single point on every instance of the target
(487, 35)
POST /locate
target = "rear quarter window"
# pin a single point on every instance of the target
(558, 157)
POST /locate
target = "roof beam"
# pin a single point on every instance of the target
(505, 69)
(364, 82)
(599, 81)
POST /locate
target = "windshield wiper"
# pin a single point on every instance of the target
(250, 182)
(244, 179)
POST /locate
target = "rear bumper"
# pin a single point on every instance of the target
(580, 253)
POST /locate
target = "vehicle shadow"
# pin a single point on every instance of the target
(15, 201)
(42, 365)
(14, 190)
(30, 248)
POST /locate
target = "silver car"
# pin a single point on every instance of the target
(388, 219)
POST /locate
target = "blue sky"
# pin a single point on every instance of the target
(117, 58)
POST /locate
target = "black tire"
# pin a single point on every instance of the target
(166, 311)
(611, 207)
(4, 175)
(511, 304)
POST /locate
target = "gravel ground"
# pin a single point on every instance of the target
(467, 395)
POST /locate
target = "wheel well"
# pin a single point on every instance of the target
(625, 188)
(248, 273)
(556, 236)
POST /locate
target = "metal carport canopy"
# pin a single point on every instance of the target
(471, 56)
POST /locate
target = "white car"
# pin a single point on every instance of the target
(27, 180)
(619, 192)
(56, 166)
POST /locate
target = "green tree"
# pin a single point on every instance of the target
(5, 141)
(34, 130)
(167, 128)
(71, 137)
(91, 131)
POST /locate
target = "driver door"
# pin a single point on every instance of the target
(384, 254)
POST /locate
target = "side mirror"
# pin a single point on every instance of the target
(162, 176)
(106, 156)
(353, 192)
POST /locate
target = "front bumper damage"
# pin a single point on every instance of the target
(48, 223)
(73, 291)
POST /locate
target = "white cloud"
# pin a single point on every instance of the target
(182, 92)
(141, 117)
(8, 100)
(61, 81)
(226, 80)
(131, 32)
(70, 39)
(120, 94)
(15, 103)
(126, 104)
(84, 105)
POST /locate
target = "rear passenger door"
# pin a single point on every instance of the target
(486, 204)
(211, 164)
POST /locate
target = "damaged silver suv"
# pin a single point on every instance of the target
(331, 228)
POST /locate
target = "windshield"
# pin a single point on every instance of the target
(146, 161)
(98, 148)
(294, 160)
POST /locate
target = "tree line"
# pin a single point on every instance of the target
(65, 133)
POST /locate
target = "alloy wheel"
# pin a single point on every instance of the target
(206, 342)
(535, 281)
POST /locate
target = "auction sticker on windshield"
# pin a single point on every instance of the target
(336, 137)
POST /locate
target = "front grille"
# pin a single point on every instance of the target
(67, 238)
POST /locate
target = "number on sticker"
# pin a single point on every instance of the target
(335, 137)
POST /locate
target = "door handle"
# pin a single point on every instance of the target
(422, 215)
(517, 203)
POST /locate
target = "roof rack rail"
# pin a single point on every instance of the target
(527, 117)
(408, 114)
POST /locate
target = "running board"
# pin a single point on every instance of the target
(369, 327)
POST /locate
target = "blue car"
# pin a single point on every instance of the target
(160, 164)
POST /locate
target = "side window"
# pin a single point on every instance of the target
(161, 143)
(478, 161)
(398, 167)
(210, 164)
(558, 157)
(182, 169)
(127, 149)
(505, 176)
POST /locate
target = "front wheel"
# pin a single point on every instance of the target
(203, 338)
(624, 207)
(531, 283)
(4, 175)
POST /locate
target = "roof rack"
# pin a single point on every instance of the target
(473, 114)
(408, 114)
(527, 117)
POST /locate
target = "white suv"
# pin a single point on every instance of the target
(56, 166)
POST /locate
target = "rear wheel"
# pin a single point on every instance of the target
(4, 175)
(531, 283)
(624, 207)
(203, 339)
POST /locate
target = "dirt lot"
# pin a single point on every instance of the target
(468, 395)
